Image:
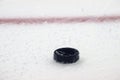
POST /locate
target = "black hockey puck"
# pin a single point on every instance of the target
(66, 55)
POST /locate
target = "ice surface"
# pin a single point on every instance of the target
(44, 8)
(26, 50)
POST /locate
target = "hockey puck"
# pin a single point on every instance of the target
(66, 55)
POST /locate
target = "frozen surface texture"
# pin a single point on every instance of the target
(46, 8)
(26, 50)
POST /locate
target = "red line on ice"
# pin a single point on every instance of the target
(41, 20)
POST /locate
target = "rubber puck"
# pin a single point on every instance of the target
(66, 55)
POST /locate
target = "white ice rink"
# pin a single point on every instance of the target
(26, 50)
